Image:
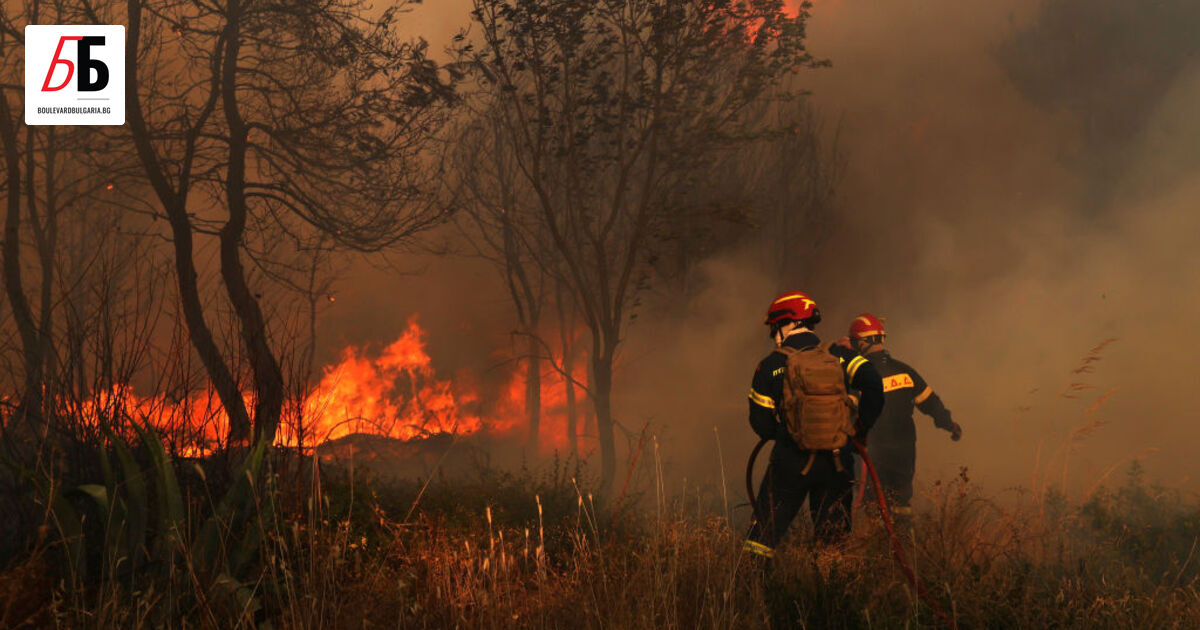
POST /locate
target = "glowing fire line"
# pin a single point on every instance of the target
(395, 394)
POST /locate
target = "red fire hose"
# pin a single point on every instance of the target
(897, 549)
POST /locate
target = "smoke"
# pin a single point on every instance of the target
(965, 220)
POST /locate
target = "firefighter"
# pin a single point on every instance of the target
(893, 443)
(817, 465)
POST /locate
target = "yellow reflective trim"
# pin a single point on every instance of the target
(866, 333)
(795, 296)
(758, 548)
(761, 401)
(923, 396)
(852, 369)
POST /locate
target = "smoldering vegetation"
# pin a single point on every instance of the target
(439, 316)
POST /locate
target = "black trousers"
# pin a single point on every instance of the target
(896, 465)
(827, 485)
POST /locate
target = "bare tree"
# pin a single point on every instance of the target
(493, 203)
(612, 109)
(80, 280)
(47, 181)
(291, 118)
(567, 326)
(31, 333)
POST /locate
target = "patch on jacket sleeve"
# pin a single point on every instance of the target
(897, 381)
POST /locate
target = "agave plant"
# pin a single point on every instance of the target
(149, 545)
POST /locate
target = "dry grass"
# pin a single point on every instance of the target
(537, 550)
(1120, 561)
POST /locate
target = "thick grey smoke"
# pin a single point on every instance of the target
(964, 222)
(963, 218)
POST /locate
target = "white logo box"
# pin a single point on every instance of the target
(70, 88)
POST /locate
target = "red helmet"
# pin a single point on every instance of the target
(793, 306)
(866, 325)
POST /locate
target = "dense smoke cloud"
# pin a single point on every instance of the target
(964, 219)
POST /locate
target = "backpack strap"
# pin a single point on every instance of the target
(812, 456)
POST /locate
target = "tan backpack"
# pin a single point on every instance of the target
(815, 405)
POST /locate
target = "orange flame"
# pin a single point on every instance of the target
(553, 427)
(395, 394)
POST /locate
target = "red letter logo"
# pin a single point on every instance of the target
(66, 62)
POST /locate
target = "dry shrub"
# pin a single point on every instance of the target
(1124, 559)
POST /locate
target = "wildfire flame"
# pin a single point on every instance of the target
(396, 393)
(554, 426)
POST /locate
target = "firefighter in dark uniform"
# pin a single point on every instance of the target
(824, 478)
(893, 443)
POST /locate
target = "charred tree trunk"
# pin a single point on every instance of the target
(268, 377)
(31, 399)
(174, 202)
(533, 391)
(43, 231)
(528, 300)
(601, 386)
(569, 384)
(47, 250)
(566, 327)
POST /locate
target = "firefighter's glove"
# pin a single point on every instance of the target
(956, 432)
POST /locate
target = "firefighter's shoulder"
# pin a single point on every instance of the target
(851, 361)
(842, 352)
(767, 378)
(896, 366)
(773, 365)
